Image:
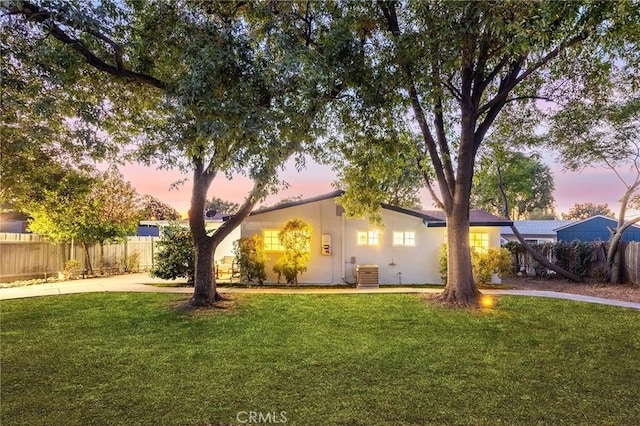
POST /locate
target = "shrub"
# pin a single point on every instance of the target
(442, 264)
(295, 237)
(131, 262)
(175, 257)
(496, 261)
(251, 258)
(574, 257)
(71, 266)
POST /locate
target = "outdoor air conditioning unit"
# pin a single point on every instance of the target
(367, 276)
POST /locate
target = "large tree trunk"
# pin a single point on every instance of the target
(460, 290)
(204, 279)
(204, 286)
(614, 257)
(616, 267)
(204, 282)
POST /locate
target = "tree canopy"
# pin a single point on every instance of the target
(527, 181)
(90, 209)
(586, 210)
(207, 87)
(153, 208)
(382, 172)
(221, 206)
(447, 70)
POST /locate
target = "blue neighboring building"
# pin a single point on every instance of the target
(595, 228)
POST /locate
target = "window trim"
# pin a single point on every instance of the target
(268, 241)
(481, 238)
(404, 238)
(372, 238)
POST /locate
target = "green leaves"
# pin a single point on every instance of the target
(175, 257)
(295, 237)
(97, 208)
(526, 180)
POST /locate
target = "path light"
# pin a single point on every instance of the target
(487, 301)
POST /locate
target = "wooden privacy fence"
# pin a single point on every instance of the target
(590, 261)
(632, 262)
(29, 256)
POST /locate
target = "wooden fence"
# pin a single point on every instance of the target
(632, 262)
(594, 265)
(29, 256)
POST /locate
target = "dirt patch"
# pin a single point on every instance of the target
(622, 292)
(227, 304)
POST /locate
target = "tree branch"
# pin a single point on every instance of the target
(33, 13)
(536, 256)
(502, 94)
(447, 187)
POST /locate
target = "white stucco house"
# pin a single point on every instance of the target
(405, 250)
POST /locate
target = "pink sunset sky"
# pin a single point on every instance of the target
(595, 185)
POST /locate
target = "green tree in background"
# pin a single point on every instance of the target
(382, 172)
(581, 211)
(221, 206)
(295, 237)
(154, 209)
(104, 211)
(527, 181)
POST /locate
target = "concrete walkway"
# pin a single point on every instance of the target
(140, 283)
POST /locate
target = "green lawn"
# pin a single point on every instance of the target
(364, 359)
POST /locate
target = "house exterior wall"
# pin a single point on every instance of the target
(324, 219)
(595, 229)
(397, 264)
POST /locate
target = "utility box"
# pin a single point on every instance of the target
(367, 276)
(326, 244)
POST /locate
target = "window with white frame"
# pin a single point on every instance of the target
(271, 240)
(367, 238)
(404, 238)
(479, 241)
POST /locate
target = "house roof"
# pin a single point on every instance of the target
(14, 216)
(431, 218)
(614, 222)
(536, 227)
(288, 204)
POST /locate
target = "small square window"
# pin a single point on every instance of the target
(479, 241)
(271, 240)
(404, 238)
(367, 238)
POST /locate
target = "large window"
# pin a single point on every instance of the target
(404, 239)
(367, 238)
(479, 241)
(271, 241)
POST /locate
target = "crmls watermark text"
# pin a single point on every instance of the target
(261, 417)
